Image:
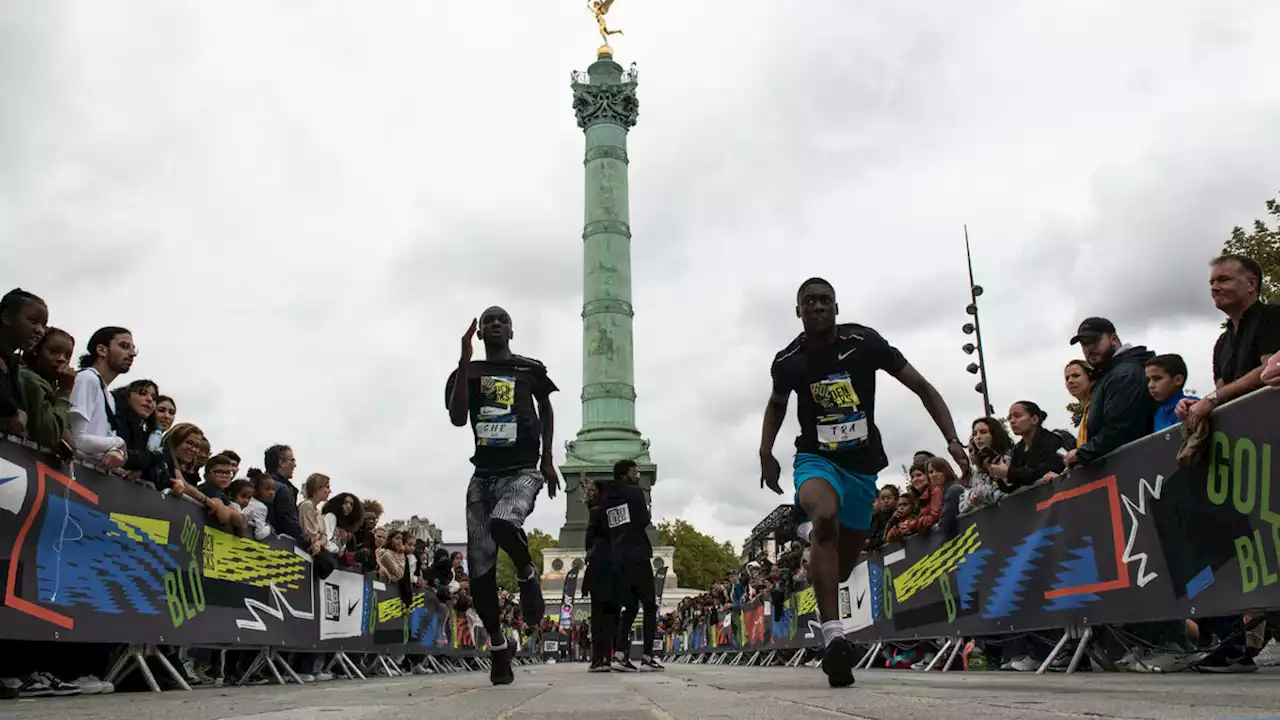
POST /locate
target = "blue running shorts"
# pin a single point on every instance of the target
(856, 491)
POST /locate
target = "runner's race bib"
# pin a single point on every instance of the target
(839, 431)
(497, 424)
(496, 431)
(618, 516)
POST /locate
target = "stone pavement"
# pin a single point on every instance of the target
(566, 691)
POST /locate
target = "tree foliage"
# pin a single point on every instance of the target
(1077, 412)
(1263, 245)
(538, 540)
(700, 561)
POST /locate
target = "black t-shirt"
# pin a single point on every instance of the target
(1239, 351)
(835, 389)
(213, 492)
(504, 417)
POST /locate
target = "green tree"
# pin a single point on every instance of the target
(700, 561)
(1263, 245)
(538, 540)
(1077, 412)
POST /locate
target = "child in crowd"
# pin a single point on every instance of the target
(241, 493)
(904, 519)
(1166, 376)
(264, 493)
(47, 379)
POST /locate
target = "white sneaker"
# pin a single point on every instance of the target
(90, 685)
(324, 676)
(1270, 655)
(306, 677)
(1025, 664)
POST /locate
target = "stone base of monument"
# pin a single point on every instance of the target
(557, 562)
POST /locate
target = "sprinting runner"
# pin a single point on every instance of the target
(832, 370)
(507, 400)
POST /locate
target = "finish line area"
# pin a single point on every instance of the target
(551, 692)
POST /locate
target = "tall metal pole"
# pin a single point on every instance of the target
(974, 292)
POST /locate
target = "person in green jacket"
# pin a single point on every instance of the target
(47, 378)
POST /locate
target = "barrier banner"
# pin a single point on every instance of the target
(1132, 538)
(95, 558)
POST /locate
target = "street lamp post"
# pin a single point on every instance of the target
(975, 328)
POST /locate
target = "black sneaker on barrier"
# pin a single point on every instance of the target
(501, 672)
(838, 660)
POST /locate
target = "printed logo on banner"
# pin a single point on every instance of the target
(332, 603)
(855, 608)
(344, 600)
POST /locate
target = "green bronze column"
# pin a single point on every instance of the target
(604, 100)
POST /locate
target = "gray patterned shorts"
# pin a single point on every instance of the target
(505, 497)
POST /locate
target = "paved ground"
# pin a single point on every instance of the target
(564, 692)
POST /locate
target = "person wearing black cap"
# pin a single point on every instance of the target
(1121, 409)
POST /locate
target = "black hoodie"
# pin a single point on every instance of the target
(626, 516)
(1121, 408)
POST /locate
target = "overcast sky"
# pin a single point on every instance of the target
(298, 207)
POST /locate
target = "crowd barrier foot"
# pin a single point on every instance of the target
(938, 655)
(955, 653)
(346, 665)
(1053, 654)
(796, 659)
(135, 657)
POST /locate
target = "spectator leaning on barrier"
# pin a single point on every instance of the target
(48, 378)
(1166, 377)
(93, 412)
(904, 519)
(316, 489)
(1036, 457)
(282, 513)
(166, 414)
(1251, 337)
(1120, 408)
(135, 415)
(253, 508)
(23, 317)
(343, 516)
(886, 506)
(988, 443)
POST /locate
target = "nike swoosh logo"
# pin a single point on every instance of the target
(861, 597)
(351, 606)
(845, 354)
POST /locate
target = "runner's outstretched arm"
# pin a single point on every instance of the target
(774, 413)
(938, 410)
(548, 463)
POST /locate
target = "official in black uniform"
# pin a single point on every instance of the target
(627, 516)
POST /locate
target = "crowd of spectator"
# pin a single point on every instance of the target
(1125, 393)
(133, 432)
(758, 580)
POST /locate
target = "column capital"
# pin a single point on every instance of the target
(616, 104)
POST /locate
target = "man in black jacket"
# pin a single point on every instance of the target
(1121, 409)
(627, 515)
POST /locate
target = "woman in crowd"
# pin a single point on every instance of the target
(23, 317)
(1036, 456)
(928, 502)
(1079, 379)
(136, 421)
(343, 516)
(182, 475)
(316, 490)
(47, 379)
(988, 442)
(166, 412)
(364, 544)
(391, 557)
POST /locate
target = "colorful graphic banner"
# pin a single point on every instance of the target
(94, 558)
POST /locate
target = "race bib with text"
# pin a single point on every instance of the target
(618, 516)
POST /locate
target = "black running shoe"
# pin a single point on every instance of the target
(651, 663)
(501, 672)
(601, 668)
(532, 605)
(837, 662)
(621, 663)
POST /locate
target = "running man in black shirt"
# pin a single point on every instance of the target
(627, 515)
(832, 371)
(506, 399)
